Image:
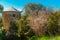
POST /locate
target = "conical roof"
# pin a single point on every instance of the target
(11, 9)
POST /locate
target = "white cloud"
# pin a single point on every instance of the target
(19, 9)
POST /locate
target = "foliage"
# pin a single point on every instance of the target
(32, 6)
(13, 28)
(12, 37)
(4, 34)
(24, 31)
(0, 35)
(52, 26)
(1, 24)
(45, 38)
(1, 8)
(10, 34)
(20, 29)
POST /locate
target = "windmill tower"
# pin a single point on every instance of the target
(8, 15)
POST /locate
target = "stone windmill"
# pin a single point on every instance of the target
(8, 15)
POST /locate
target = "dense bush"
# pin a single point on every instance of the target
(1, 24)
(10, 34)
(53, 24)
(13, 28)
(23, 28)
(4, 34)
(1, 8)
(0, 35)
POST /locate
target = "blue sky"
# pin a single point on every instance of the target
(19, 4)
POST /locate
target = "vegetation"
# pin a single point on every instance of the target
(22, 30)
(45, 38)
(1, 24)
(0, 34)
(32, 6)
(1, 8)
(54, 24)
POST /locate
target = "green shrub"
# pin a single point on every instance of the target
(0, 35)
(24, 30)
(1, 24)
(52, 25)
(4, 34)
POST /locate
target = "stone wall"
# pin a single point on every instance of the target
(7, 18)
